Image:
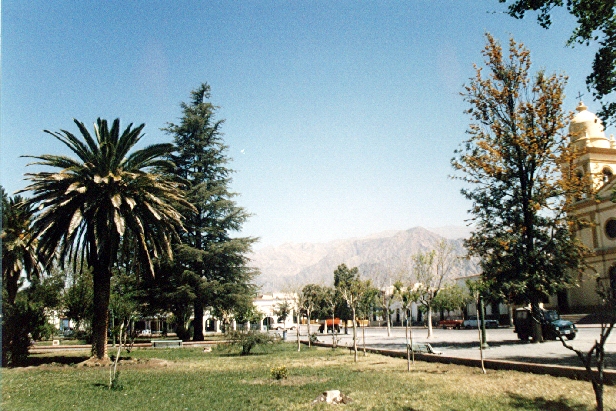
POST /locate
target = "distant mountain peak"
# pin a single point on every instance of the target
(294, 264)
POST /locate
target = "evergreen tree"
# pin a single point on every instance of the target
(208, 252)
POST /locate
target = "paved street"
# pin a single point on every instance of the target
(504, 344)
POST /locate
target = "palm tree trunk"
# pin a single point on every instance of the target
(100, 320)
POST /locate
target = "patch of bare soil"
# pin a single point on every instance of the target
(290, 381)
(132, 362)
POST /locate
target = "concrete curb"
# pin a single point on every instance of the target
(575, 373)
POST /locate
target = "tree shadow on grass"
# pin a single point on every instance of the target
(58, 360)
(542, 404)
(239, 355)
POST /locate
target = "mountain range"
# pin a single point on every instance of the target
(384, 255)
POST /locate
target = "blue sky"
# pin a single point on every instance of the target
(341, 116)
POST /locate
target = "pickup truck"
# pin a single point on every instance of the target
(450, 323)
(331, 325)
(552, 326)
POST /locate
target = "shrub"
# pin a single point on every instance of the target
(279, 373)
(18, 322)
(248, 340)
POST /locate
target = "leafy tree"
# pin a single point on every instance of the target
(595, 23)
(94, 200)
(331, 300)
(351, 289)
(26, 318)
(230, 299)
(79, 301)
(312, 298)
(407, 298)
(431, 270)
(383, 280)
(343, 278)
(512, 162)
(123, 304)
(19, 254)
(452, 297)
(170, 290)
(45, 295)
(368, 299)
(283, 310)
(208, 250)
(18, 321)
(596, 355)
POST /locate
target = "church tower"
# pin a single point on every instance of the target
(598, 157)
(597, 160)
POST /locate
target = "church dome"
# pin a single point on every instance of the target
(586, 129)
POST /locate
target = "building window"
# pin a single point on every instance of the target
(610, 228)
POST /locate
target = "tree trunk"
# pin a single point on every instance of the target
(198, 321)
(598, 395)
(100, 319)
(482, 323)
(299, 345)
(408, 345)
(308, 327)
(388, 323)
(536, 322)
(333, 327)
(411, 338)
(429, 321)
(364, 338)
(354, 337)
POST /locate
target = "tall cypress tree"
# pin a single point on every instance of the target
(208, 250)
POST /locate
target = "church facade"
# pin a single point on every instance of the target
(598, 163)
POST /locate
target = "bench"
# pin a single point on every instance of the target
(424, 348)
(166, 343)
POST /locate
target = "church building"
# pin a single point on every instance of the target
(598, 162)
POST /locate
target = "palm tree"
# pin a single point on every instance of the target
(104, 196)
(18, 251)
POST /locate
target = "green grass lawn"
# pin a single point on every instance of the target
(189, 379)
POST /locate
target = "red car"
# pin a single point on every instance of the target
(450, 323)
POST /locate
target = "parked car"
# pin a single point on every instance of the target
(471, 322)
(552, 326)
(331, 325)
(451, 323)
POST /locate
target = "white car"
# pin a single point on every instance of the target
(281, 325)
(471, 322)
